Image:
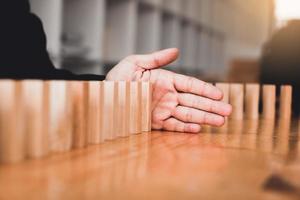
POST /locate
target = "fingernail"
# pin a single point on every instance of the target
(219, 121)
(228, 109)
(195, 128)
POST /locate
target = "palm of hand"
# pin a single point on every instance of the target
(179, 103)
(164, 100)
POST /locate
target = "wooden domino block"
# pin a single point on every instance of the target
(146, 106)
(60, 116)
(95, 107)
(124, 112)
(79, 101)
(224, 87)
(269, 101)
(116, 112)
(12, 135)
(110, 90)
(135, 107)
(236, 99)
(252, 101)
(36, 108)
(285, 110)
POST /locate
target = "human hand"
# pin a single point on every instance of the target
(180, 103)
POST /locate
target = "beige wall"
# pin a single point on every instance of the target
(209, 33)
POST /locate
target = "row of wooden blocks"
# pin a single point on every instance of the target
(42, 117)
(245, 100)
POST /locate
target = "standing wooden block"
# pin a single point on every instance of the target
(124, 106)
(286, 102)
(224, 87)
(109, 129)
(12, 135)
(135, 107)
(116, 112)
(101, 116)
(146, 106)
(36, 108)
(95, 106)
(269, 101)
(252, 101)
(236, 99)
(79, 101)
(60, 116)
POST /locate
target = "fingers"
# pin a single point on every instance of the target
(205, 104)
(173, 124)
(155, 60)
(191, 115)
(195, 86)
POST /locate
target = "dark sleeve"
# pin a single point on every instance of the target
(23, 52)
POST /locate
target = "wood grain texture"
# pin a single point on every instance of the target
(116, 112)
(60, 116)
(269, 102)
(101, 110)
(146, 106)
(12, 134)
(79, 101)
(252, 95)
(95, 107)
(124, 113)
(135, 107)
(285, 110)
(35, 98)
(109, 111)
(243, 159)
(236, 99)
(225, 88)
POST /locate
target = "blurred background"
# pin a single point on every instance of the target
(219, 40)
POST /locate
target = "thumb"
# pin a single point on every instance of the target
(155, 60)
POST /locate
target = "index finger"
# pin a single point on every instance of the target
(155, 60)
(195, 86)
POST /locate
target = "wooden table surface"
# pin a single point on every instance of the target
(230, 163)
